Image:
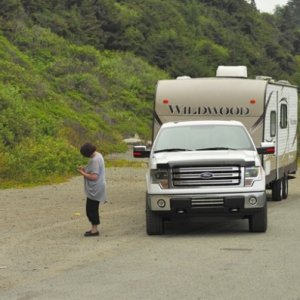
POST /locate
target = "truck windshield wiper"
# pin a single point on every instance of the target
(215, 148)
(171, 150)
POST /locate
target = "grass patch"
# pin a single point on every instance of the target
(109, 163)
(12, 184)
(122, 163)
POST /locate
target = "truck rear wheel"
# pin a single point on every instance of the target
(277, 189)
(259, 221)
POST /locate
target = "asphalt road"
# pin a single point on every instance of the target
(215, 260)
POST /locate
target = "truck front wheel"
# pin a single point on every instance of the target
(259, 221)
(154, 223)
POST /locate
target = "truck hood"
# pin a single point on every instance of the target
(219, 157)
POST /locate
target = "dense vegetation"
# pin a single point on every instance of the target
(78, 70)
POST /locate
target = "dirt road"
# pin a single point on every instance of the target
(43, 254)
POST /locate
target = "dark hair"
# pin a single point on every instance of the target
(87, 149)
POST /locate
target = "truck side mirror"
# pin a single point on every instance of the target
(140, 152)
(266, 148)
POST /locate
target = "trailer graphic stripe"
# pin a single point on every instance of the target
(260, 120)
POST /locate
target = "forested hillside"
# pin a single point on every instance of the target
(56, 95)
(78, 70)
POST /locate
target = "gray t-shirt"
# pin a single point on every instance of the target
(96, 190)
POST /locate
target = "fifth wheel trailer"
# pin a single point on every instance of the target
(267, 108)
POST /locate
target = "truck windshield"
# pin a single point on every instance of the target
(203, 138)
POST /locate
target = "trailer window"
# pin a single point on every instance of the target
(283, 116)
(273, 123)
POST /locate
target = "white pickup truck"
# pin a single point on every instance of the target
(205, 169)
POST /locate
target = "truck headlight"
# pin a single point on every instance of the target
(252, 174)
(160, 177)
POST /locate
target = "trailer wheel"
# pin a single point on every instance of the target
(285, 187)
(259, 221)
(277, 190)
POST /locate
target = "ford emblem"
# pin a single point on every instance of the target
(206, 175)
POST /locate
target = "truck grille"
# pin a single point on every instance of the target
(205, 176)
(207, 202)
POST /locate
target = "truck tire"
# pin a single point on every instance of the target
(259, 221)
(285, 187)
(154, 223)
(277, 189)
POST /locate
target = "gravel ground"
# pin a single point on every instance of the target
(44, 255)
(41, 228)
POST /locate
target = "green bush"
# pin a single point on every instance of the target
(36, 161)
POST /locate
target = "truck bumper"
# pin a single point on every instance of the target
(241, 204)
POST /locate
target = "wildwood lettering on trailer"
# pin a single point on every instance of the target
(208, 110)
